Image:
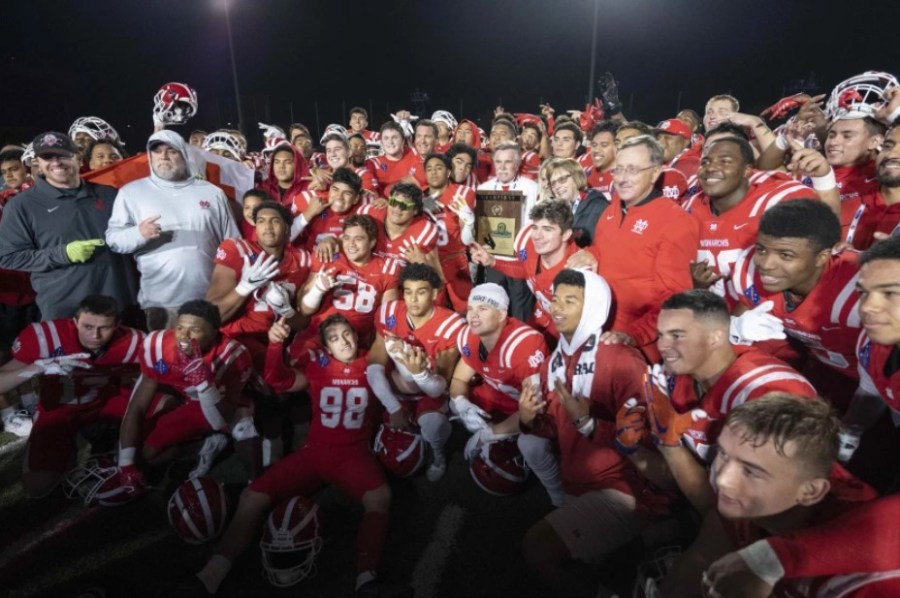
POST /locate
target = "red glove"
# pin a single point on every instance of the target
(666, 425)
(631, 426)
(132, 479)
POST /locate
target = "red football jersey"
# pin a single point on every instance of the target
(255, 315)
(752, 375)
(228, 360)
(422, 231)
(853, 183)
(518, 355)
(724, 236)
(113, 366)
(359, 293)
(530, 166)
(608, 375)
(439, 333)
(539, 278)
(687, 162)
(600, 180)
(826, 321)
(872, 215)
(876, 372)
(449, 241)
(343, 411)
(388, 172)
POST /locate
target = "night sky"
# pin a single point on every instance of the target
(107, 58)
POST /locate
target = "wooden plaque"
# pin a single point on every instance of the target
(498, 216)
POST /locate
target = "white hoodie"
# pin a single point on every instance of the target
(195, 218)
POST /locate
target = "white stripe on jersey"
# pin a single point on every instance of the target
(428, 234)
(54, 335)
(512, 343)
(131, 353)
(740, 280)
(841, 300)
(388, 310)
(243, 247)
(389, 266)
(157, 352)
(463, 335)
(43, 347)
(522, 239)
(765, 379)
(450, 327)
(842, 586)
(736, 386)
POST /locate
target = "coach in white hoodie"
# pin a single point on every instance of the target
(173, 223)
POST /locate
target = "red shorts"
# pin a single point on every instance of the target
(184, 423)
(352, 468)
(51, 446)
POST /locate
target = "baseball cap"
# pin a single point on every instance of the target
(673, 126)
(490, 294)
(54, 143)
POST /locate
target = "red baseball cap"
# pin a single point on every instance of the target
(673, 126)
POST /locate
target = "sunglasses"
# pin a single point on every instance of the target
(400, 204)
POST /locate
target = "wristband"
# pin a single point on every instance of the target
(587, 428)
(763, 561)
(893, 116)
(824, 183)
(298, 225)
(313, 298)
(126, 456)
(242, 289)
(430, 383)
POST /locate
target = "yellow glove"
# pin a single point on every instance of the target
(79, 252)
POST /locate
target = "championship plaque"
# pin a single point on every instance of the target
(498, 216)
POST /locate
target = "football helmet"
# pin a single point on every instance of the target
(226, 142)
(374, 149)
(197, 510)
(442, 116)
(499, 468)
(651, 572)
(859, 96)
(28, 155)
(401, 452)
(97, 128)
(290, 542)
(97, 483)
(334, 129)
(174, 104)
(272, 143)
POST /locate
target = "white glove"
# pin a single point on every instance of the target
(406, 125)
(756, 325)
(279, 300)
(57, 366)
(473, 417)
(264, 269)
(271, 131)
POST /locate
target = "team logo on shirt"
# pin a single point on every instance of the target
(57, 352)
(467, 351)
(752, 294)
(640, 226)
(324, 360)
(99, 204)
(865, 354)
(392, 322)
(161, 368)
(523, 255)
(220, 254)
(204, 204)
(713, 226)
(382, 166)
(671, 192)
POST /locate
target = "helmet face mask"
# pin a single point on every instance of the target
(334, 129)
(859, 96)
(226, 142)
(94, 127)
(291, 542)
(174, 104)
(96, 483)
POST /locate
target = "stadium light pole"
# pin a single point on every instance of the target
(590, 97)
(234, 76)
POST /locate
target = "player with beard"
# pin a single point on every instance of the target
(878, 213)
(729, 207)
(462, 159)
(583, 386)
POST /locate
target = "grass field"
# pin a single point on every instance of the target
(447, 539)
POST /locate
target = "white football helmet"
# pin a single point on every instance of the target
(859, 96)
(334, 129)
(174, 104)
(226, 142)
(290, 542)
(28, 155)
(97, 128)
(442, 116)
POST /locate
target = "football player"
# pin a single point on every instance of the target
(542, 250)
(288, 173)
(505, 353)
(794, 273)
(421, 339)
(354, 283)
(399, 162)
(319, 216)
(86, 365)
(702, 378)
(451, 207)
(405, 233)
(603, 156)
(583, 385)
(878, 213)
(359, 120)
(732, 200)
(190, 389)
(775, 475)
(336, 451)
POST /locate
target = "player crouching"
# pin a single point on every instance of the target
(336, 451)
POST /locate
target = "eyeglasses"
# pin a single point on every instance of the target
(560, 180)
(400, 205)
(629, 172)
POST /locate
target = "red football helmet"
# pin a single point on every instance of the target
(97, 483)
(197, 510)
(499, 468)
(401, 452)
(290, 542)
(174, 104)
